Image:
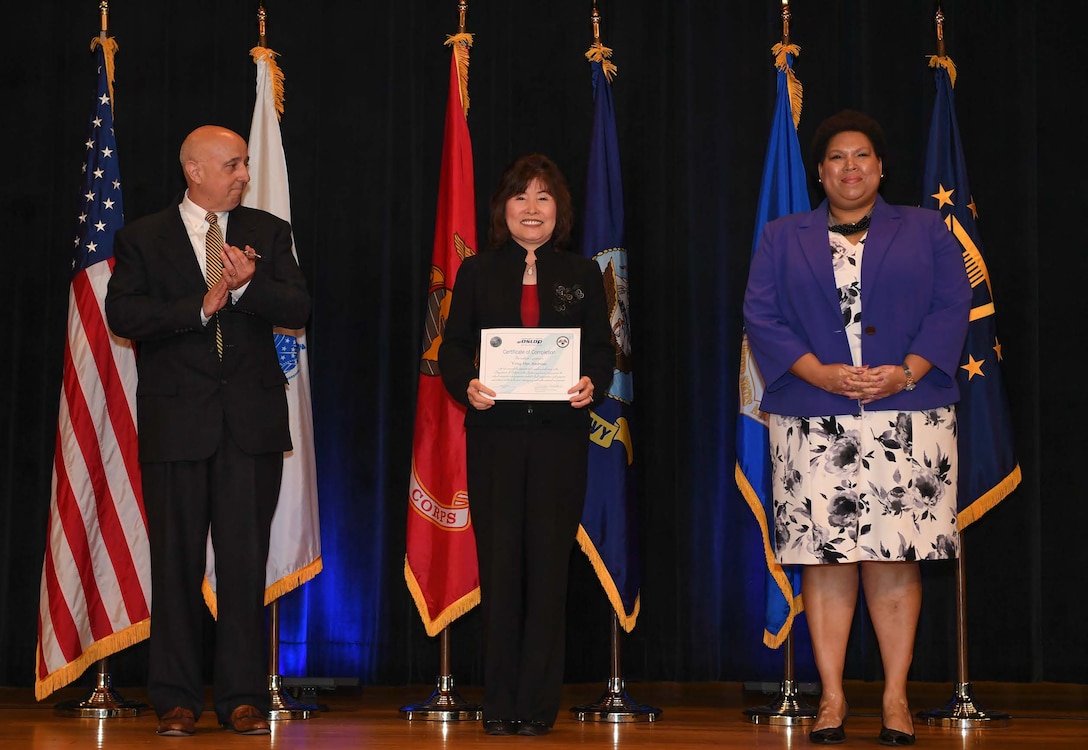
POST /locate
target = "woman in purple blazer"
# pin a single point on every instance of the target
(859, 361)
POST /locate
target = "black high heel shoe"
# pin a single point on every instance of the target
(895, 738)
(831, 735)
(828, 736)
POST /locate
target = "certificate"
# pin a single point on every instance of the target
(530, 364)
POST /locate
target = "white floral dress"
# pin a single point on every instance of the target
(878, 485)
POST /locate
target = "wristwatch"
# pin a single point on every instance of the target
(910, 379)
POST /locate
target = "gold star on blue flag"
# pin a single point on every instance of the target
(988, 469)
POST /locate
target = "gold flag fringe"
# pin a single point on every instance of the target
(771, 640)
(988, 500)
(264, 53)
(626, 619)
(273, 591)
(793, 85)
(97, 651)
(109, 49)
(446, 616)
(599, 53)
(943, 61)
(461, 44)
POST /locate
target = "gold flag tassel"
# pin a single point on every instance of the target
(599, 53)
(461, 43)
(944, 61)
(264, 53)
(793, 85)
(109, 48)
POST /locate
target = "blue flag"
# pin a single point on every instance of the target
(988, 469)
(609, 532)
(783, 191)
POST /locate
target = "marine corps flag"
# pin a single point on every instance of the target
(608, 533)
(783, 191)
(988, 469)
(440, 565)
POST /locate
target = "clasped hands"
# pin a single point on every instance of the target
(866, 384)
(481, 397)
(238, 268)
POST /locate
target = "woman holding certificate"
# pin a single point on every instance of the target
(526, 455)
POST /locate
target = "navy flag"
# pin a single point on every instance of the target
(608, 533)
(988, 469)
(783, 191)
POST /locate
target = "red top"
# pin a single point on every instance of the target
(530, 306)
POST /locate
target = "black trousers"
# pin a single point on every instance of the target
(526, 489)
(234, 495)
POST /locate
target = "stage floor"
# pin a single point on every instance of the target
(692, 715)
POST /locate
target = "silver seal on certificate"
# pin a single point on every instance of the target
(530, 364)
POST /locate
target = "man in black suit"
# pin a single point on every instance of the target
(212, 418)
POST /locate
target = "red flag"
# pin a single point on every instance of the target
(440, 564)
(96, 578)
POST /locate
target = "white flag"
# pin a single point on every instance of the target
(294, 555)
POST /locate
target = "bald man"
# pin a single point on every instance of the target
(212, 418)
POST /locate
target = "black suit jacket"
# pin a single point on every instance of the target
(487, 294)
(185, 394)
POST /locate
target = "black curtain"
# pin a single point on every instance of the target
(366, 88)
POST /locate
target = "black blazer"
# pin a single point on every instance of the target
(185, 393)
(487, 294)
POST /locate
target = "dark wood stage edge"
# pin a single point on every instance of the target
(692, 715)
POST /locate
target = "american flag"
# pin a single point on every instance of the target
(96, 578)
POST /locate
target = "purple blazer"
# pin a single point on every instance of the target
(915, 298)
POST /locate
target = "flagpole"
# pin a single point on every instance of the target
(103, 702)
(787, 708)
(614, 705)
(960, 711)
(282, 706)
(445, 703)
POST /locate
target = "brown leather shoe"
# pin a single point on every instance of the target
(177, 722)
(247, 719)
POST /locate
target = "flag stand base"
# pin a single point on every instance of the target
(615, 706)
(283, 706)
(786, 710)
(962, 713)
(102, 703)
(443, 705)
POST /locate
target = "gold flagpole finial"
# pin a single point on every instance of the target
(461, 42)
(262, 18)
(597, 51)
(104, 15)
(782, 52)
(941, 58)
(940, 32)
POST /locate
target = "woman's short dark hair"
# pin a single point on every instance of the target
(848, 120)
(515, 178)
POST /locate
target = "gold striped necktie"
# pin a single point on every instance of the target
(213, 245)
